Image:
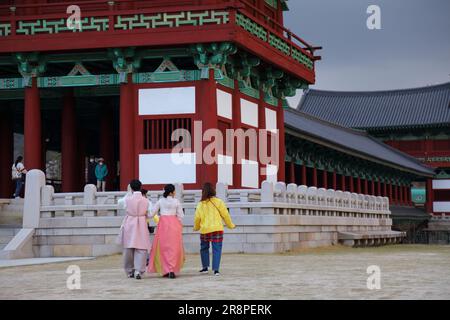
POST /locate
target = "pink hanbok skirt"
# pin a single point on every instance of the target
(167, 254)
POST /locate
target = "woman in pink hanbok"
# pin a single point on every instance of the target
(167, 254)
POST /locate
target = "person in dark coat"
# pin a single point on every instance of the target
(92, 179)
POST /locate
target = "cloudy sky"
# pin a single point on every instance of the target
(412, 48)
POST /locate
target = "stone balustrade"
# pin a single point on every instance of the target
(275, 218)
(273, 198)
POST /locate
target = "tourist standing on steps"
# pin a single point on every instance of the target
(167, 255)
(133, 235)
(210, 214)
(101, 172)
(91, 178)
(18, 173)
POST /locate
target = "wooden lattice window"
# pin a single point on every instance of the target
(158, 132)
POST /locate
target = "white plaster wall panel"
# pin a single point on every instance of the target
(441, 206)
(250, 174)
(158, 101)
(167, 168)
(225, 169)
(271, 120)
(271, 173)
(224, 104)
(249, 113)
(441, 184)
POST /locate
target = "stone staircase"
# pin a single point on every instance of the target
(11, 211)
(7, 232)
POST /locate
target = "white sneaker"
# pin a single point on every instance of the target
(216, 273)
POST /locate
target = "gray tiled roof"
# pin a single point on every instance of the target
(427, 106)
(355, 142)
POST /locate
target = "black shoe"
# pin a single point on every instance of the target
(204, 270)
(216, 273)
(166, 275)
(172, 275)
(131, 275)
(138, 276)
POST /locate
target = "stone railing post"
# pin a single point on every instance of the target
(292, 192)
(267, 197)
(179, 190)
(47, 193)
(267, 191)
(35, 180)
(89, 199)
(280, 187)
(222, 191)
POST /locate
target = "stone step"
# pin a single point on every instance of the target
(5, 239)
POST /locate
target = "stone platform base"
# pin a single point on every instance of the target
(96, 236)
(370, 238)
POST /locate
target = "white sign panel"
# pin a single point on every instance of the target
(441, 184)
(249, 113)
(441, 206)
(158, 101)
(225, 169)
(224, 104)
(271, 120)
(164, 168)
(250, 174)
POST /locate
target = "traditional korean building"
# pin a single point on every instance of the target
(415, 121)
(119, 80)
(135, 71)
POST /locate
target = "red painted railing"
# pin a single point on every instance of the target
(47, 10)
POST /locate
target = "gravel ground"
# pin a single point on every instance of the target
(407, 272)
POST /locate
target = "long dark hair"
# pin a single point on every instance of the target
(168, 189)
(208, 191)
(18, 159)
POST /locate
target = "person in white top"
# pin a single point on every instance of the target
(18, 173)
(167, 255)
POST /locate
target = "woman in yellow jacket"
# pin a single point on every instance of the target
(210, 214)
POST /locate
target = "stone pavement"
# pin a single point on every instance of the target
(6, 263)
(407, 272)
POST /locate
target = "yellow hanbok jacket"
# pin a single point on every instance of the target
(210, 215)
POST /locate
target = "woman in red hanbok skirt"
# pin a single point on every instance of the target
(167, 254)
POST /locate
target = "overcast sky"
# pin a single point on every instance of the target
(412, 48)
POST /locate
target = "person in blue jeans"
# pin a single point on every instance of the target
(18, 173)
(210, 214)
(101, 172)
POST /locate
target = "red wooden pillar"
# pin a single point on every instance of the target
(314, 177)
(430, 196)
(6, 153)
(68, 144)
(32, 128)
(292, 172)
(379, 188)
(400, 194)
(334, 180)
(391, 193)
(410, 203)
(304, 175)
(282, 148)
(343, 182)
(237, 167)
(396, 195)
(262, 127)
(372, 187)
(366, 186)
(107, 144)
(208, 117)
(358, 185)
(352, 184)
(126, 134)
(325, 179)
(385, 194)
